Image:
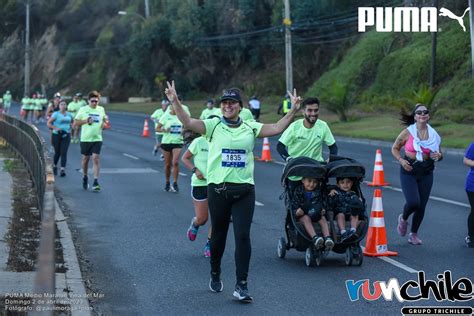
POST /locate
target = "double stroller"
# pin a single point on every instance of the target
(296, 236)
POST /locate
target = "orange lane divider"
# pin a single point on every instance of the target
(378, 178)
(146, 131)
(376, 244)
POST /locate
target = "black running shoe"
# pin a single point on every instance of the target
(242, 293)
(215, 284)
(85, 183)
(328, 243)
(167, 187)
(175, 187)
(96, 186)
(62, 173)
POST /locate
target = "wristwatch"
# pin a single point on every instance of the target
(193, 170)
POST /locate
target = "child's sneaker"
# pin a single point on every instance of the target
(318, 241)
(207, 249)
(192, 230)
(414, 240)
(402, 225)
(167, 187)
(328, 243)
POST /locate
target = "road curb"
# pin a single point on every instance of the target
(74, 283)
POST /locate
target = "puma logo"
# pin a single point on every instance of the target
(451, 15)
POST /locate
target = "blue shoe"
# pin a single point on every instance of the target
(242, 293)
(215, 284)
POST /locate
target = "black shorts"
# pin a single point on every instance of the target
(170, 147)
(89, 148)
(199, 193)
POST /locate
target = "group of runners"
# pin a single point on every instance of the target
(79, 121)
(220, 156)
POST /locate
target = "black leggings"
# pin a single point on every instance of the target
(60, 144)
(221, 207)
(416, 187)
(470, 219)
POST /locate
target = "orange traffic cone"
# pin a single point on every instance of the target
(266, 155)
(378, 178)
(146, 132)
(107, 122)
(376, 244)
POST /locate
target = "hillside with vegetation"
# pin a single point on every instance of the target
(79, 45)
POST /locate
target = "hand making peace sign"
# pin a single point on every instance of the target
(295, 100)
(171, 91)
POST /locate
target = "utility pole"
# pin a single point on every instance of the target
(147, 9)
(434, 42)
(471, 20)
(27, 50)
(288, 57)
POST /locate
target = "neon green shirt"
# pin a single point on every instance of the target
(74, 106)
(231, 151)
(7, 99)
(185, 107)
(308, 142)
(172, 122)
(156, 118)
(246, 115)
(217, 111)
(92, 132)
(200, 149)
(207, 112)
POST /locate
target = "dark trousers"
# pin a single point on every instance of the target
(416, 187)
(221, 207)
(61, 145)
(470, 218)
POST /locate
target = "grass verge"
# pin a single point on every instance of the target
(384, 126)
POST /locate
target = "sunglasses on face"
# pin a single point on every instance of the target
(93, 101)
(422, 112)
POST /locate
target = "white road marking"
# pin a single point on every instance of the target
(130, 156)
(182, 174)
(436, 198)
(396, 263)
(258, 203)
(280, 163)
(124, 170)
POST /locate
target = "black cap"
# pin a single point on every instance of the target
(231, 94)
(210, 101)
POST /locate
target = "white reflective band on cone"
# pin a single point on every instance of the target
(377, 222)
(378, 168)
(377, 205)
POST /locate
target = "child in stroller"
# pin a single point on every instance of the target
(308, 202)
(302, 233)
(346, 204)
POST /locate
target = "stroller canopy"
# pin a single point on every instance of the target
(342, 167)
(303, 167)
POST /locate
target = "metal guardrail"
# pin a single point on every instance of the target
(25, 140)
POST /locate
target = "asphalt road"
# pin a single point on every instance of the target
(133, 234)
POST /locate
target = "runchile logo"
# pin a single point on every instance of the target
(405, 19)
(443, 289)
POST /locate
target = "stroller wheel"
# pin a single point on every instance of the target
(309, 257)
(357, 255)
(281, 249)
(349, 256)
(318, 257)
